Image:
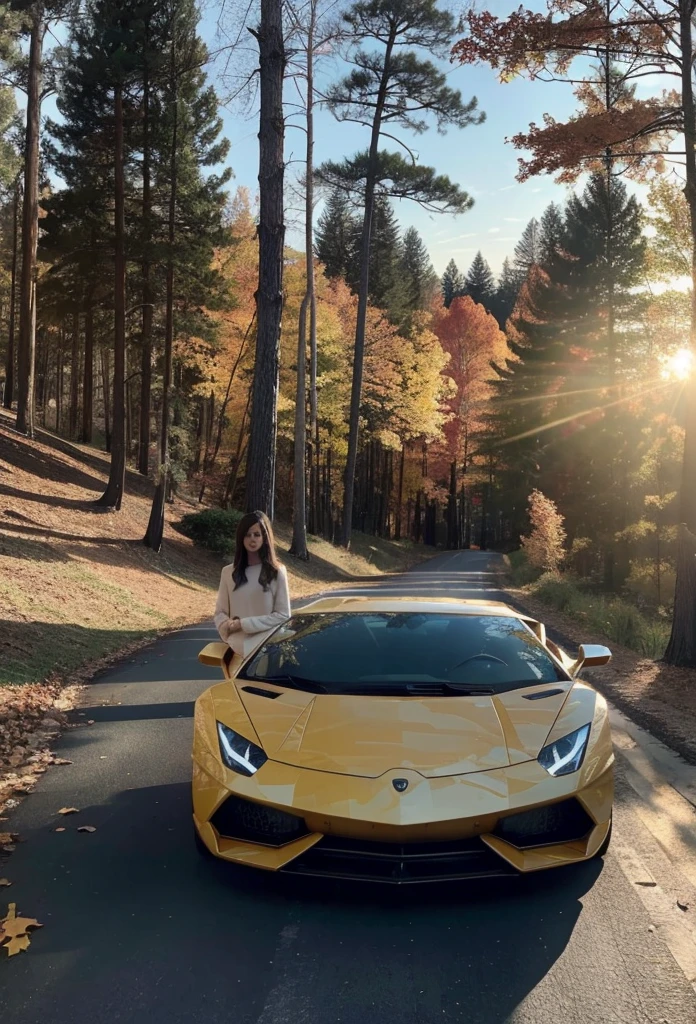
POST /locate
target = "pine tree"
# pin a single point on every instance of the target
(479, 281)
(452, 283)
(551, 233)
(335, 236)
(528, 249)
(419, 279)
(393, 84)
(506, 293)
(387, 286)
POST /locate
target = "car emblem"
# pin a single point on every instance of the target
(400, 785)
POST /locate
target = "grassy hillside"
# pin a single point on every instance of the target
(77, 584)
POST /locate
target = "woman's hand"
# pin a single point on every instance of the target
(235, 625)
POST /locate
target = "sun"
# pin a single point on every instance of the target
(680, 365)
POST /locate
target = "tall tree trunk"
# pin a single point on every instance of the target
(113, 495)
(238, 456)
(209, 458)
(147, 313)
(681, 649)
(155, 527)
(59, 380)
(8, 397)
(106, 392)
(400, 497)
(26, 352)
(298, 546)
(74, 377)
(363, 288)
(260, 475)
(88, 374)
(452, 532)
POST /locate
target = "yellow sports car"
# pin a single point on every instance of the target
(403, 740)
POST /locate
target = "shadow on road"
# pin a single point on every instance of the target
(143, 928)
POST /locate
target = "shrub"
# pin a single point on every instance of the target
(521, 571)
(558, 591)
(214, 528)
(544, 545)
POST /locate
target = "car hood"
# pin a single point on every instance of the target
(436, 736)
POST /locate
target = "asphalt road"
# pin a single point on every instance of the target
(139, 928)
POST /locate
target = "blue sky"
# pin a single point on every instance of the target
(477, 158)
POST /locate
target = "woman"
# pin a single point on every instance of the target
(253, 596)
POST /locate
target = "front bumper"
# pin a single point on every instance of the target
(444, 829)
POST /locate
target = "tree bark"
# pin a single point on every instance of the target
(260, 475)
(147, 313)
(298, 547)
(681, 649)
(113, 495)
(88, 375)
(8, 397)
(400, 497)
(155, 527)
(74, 377)
(30, 228)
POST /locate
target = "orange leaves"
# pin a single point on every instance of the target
(14, 931)
(568, 148)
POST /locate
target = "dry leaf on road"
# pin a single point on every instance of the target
(86, 828)
(69, 810)
(61, 760)
(4, 882)
(15, 929)
(61, 828)
(8, 837)
(682, 905)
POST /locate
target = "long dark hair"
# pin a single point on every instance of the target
(269, 560)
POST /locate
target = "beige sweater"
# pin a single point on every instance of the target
(259, 611)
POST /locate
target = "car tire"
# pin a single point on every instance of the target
(605, 845)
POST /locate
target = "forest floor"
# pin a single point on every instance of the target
(78, 588)
(658, 697)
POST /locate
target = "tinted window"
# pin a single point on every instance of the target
(399, 653)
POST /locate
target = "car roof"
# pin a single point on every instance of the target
(411, 604)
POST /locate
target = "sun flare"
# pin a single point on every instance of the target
(680, 365)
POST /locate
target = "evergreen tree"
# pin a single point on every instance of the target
(506, 293)
(479, 281)
(387, 285)
(394, 84)
(551, 233)
(335, 236)
(452, 283)
(419, 279)
(528, 249)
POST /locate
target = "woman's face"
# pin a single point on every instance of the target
(253, 540)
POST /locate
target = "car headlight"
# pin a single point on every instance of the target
(239, 754)
(564, 756)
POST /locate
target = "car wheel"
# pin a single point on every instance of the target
(605, 845)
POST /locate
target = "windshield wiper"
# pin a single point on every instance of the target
(443, 687)
(293, 683)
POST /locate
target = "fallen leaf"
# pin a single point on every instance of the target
(86, 828)
(60, 829)
(10, 848)
(61, 760)
(90, 721)
(4, 882)
(682, 906)
(650, 884)
(7, 837)
(69, 810)
(15, 929)
(16, 945)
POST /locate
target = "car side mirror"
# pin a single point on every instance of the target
(591, 656)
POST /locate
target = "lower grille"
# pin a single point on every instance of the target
(256, 823)
(400, 864)
(564, 822)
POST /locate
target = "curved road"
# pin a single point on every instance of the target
(139, 928)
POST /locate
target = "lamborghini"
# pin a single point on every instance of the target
(403, 740)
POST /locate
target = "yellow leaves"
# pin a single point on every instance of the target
(69, 810)
(14, 931)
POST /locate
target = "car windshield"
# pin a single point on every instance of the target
(403, 653)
